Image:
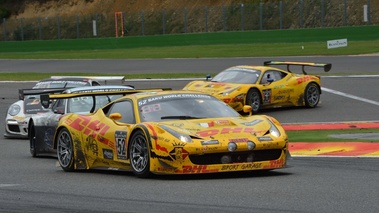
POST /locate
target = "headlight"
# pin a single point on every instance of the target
(273, 130)
(14, 109)
(180, 136)
(229, 91)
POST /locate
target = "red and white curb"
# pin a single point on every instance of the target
(333, 149)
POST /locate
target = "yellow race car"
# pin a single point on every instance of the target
(264, 86)
(169, 132)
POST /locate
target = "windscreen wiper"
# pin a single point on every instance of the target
(180, 117)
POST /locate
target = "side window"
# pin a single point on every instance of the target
(278, 75)
(273, 75)
(59, 106)
(125, 108)
(95, 83)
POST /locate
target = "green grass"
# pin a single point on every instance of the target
(259, 43)
(324, 135)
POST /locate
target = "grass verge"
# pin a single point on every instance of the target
(325, 135)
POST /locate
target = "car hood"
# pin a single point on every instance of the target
(238, 127)
(212, 88)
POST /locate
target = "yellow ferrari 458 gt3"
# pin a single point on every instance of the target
(169, 132)
(264, 86)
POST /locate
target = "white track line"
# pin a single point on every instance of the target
(350, 96)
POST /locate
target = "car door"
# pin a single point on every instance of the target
(275, 88)
(119, 130)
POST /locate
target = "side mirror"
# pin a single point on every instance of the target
(248, 109)
(115, 116)
(208, 77)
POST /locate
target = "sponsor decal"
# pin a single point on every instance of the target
(94, 128)
(120, 137)
(163, 97)
(276, 163)
(267, 96)
(211, 132)
(179, 153)
(304, 79)
(337, 43)
(108, 154)
(242, 166)
(197, 169)
(91, 145)
(238, 140)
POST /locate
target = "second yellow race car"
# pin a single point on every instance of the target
(264, 86)
(169, 132)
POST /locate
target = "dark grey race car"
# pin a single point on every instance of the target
(42, 127)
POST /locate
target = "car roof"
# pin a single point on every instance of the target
(254, 68)
(98, 88)
(140, 95)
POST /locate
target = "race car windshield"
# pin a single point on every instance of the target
(241, 76)
(85, 104)
(183, 106)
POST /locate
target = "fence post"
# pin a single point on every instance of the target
(77, 27)
(281, 15)
(322, 12)
(242, 18)
(143, 22)
(368, 12)
(206, 19)
(224, 17)
(5, 29)
(22, 28)
(163, 21)
(59, 27)
(260, 15)
(345, 13)
(301, 13)
(185, 20)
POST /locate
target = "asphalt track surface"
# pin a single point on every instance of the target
(310, 184)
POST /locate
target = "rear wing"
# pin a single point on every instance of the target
(25, 92)
(326, 66)
(46, 99)
(98, 78)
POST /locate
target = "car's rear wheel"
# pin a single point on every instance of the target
(65, 150)
(254, 100)
(32, 140)
(311, 95)
(139, 155)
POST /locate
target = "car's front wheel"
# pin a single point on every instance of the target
(65, 150)
(254, 100)
(139, 155)
(311, 95)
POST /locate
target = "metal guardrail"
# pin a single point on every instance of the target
(264, 15)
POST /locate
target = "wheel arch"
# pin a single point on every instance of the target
(145, 131)
(251, 89)
(318, 86)
(56, 135)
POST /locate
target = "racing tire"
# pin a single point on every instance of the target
(254, 100)
(311, 95)
(139, 155)
(65, 150)
(32, 140)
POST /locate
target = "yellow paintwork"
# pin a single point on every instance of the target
(100, 142)
(288, 91)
